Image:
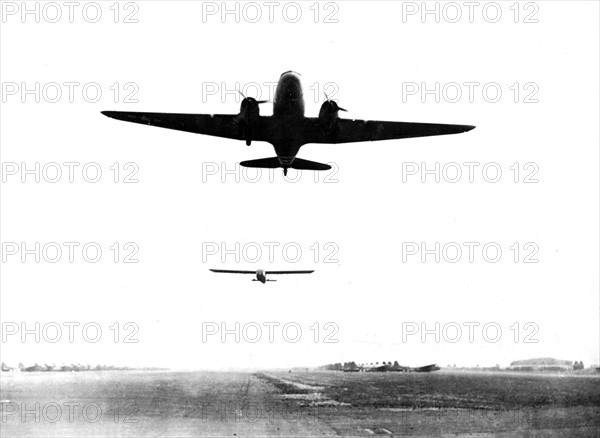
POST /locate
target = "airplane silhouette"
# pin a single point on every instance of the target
(261, 274)
(287, 129)
(398, 368)
(425, 369)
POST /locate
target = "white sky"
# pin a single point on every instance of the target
(370, 294)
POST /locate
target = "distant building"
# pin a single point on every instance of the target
(542, 364)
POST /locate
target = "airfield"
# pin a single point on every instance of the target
(299, 403)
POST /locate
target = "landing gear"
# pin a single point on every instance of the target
(285, 169)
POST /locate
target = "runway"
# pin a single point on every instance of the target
(299, 404)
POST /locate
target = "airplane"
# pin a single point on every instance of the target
(5, 368)
(287, 129)
(261, 274)
(425, 369)
(404, 369)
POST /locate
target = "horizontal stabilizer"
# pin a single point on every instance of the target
(301, 164)
(267, 163)
(273, 163)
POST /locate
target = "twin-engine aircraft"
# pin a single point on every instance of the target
(398, 368)
(261, 274)
(287, 129)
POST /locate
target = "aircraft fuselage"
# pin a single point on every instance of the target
(289, 99)
(288, 110)
(261, 276)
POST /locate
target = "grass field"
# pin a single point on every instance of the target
(459, 390)
(277, 403)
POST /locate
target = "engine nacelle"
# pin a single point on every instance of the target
(249, 114)
(329, 112)
(249, 109)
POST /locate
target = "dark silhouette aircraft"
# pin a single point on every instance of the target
(403, 369)
(287, 129)
(6, 368)
(425, 369)
(261, 275)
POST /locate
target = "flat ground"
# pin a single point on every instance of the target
(306, 404)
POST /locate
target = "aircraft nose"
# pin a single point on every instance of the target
(290, 73)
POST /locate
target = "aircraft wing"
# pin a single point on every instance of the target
(218, 125)
(288, 272)
(349, 131)
(227, 271)
(310, 130)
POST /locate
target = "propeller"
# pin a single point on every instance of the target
(333, 103)
(251, 99)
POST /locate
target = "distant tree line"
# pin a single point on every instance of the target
(340, 367)
(62, 368)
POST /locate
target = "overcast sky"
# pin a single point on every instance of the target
(361, 226)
